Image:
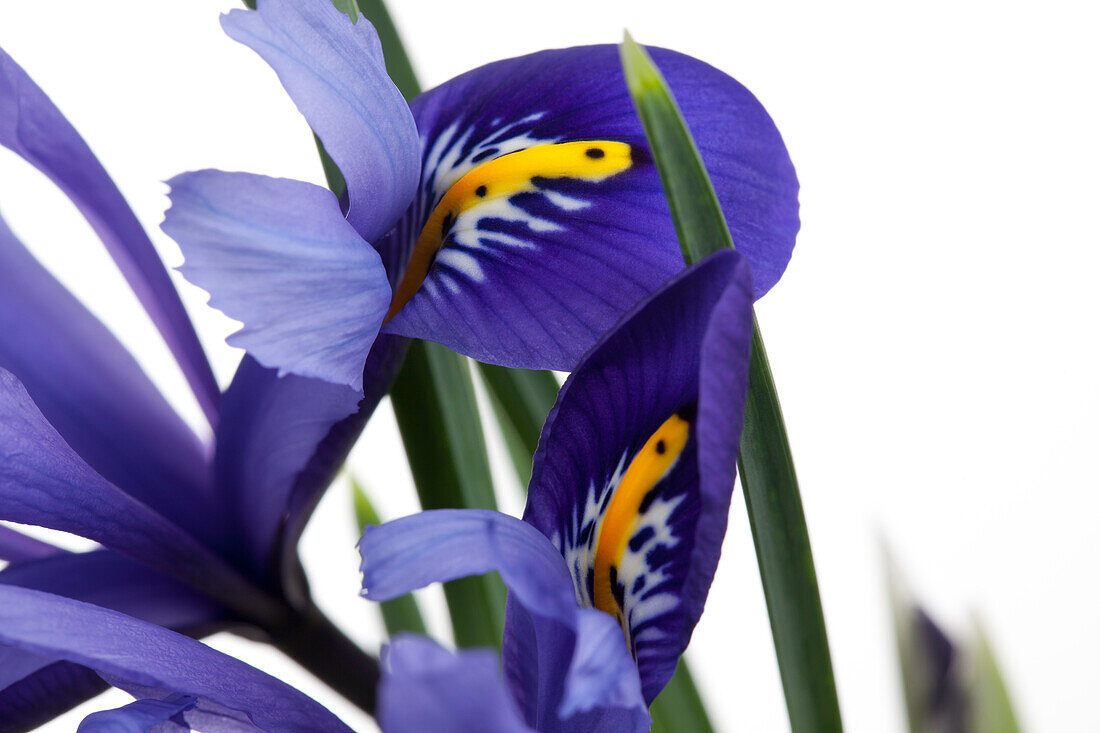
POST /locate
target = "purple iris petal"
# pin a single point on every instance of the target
(140, 716)
(16, 547)
(270, 427)
(105, 579)
(684, 351)
(446, 544)
(590, 686)
(94, 393)
(541, 637)
(334, 72)
(278, 255)
(43, 482)
(34, 128)
(148, 656)
(409, 553)
(533, 279)
(47, 693)
(428, 688)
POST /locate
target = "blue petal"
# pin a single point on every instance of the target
(280, 442)
(138, 717)
(279, 256)
(446, 544)
(94, 393)
(602, 673)
(559, 259)
(684, 351)
(125, 649)
(544, 628)
(36, 686)
(47, 693)
(270, 428)
(43, 482)
(428, 688)
(32, 127)
(16, 547)
(334, 72)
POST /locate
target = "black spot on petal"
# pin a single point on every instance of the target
(481, 191)
(641, 537)
(661, 447)
(594, 153)
(488, 152)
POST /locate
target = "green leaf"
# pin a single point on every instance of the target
(767, 467)
(400, 614)
(433, 399)
(521, 399)
(698, 216)
(349, 8)
(398, 64)
(679, 709)
(990, 702)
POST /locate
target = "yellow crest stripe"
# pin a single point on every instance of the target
(647, 468)
(503, 177)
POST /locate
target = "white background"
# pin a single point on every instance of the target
(934, 339)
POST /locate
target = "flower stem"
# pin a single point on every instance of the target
(312, 641)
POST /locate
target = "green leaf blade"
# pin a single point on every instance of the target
(767, 468)
(436, 408)
(400, 614)
(522, 399)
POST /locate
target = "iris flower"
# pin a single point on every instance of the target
(513, 214)
(610, 567)
(195, 535)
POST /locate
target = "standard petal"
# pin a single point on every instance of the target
(279, 256)
(635, 467)
(602, 673)
(94, 393)
(446, 544)
(541, 634)
(334, 72)
(270, 428)
(43, 482)
(428, 688)
(123, 648)
(35, 129)
(540, 217)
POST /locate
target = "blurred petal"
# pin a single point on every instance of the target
(428, 688)
(32, 127)
(555, 248)
(16, 547)
(43, 482)
(279, 256)
(94, 393)
(334, 72)
(680, 359)
(123, 648)
(138, 717)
